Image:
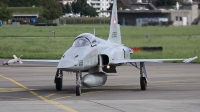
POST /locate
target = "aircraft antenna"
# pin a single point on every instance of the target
(94, 31)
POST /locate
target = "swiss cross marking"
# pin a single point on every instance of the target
(115, 21)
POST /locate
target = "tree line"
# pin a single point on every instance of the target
(21, 3)
(53, 7)
(80, 7)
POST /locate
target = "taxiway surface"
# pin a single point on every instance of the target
(30, 87)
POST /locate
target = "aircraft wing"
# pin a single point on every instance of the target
(188, 60)
(32, 60)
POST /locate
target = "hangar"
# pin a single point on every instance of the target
(140, 14)
(25, 18)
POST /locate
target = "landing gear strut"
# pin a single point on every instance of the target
(78, 83)
(143, 76)
(59, 80)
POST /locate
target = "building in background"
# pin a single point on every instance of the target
(145, 13)
(100, 5)
(64, 2)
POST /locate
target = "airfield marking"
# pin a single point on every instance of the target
(127, 85)
(174, 81)
(121, 84)
(30, 99)
(75, 95)
(17, 83)
(15, 68)
(63, 97)
(52, 94)
(152, 82)
(5, 90)
(41, 97)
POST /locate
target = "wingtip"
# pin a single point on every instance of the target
(190, 59)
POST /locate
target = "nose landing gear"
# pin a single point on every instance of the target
(78, 83)
(59, 80)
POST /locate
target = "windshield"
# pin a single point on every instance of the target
(80, 42)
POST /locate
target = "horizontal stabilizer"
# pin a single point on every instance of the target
(20, 62)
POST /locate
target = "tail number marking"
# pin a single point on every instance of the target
(80, 62)
(114, 34)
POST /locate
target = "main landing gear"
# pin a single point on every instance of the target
(59, 80)
(78, 83)
(143, 75)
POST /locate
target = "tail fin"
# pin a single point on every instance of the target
(18, 59)
(15, 57)
(114, 35)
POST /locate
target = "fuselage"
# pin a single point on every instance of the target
(85, 51)
(12, 61)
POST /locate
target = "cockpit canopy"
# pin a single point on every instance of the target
(80, 42)
(84, 39)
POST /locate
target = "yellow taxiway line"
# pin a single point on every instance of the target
(20, 98)
(75, 95)
(4, 90)
(41, 97)
(52, 94)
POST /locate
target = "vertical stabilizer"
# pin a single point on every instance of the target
(114, 35)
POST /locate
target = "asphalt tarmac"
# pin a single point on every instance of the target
(30, 87)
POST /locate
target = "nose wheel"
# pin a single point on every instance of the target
(78, 83)
(59, 80)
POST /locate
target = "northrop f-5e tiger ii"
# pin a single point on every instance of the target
(90, 53)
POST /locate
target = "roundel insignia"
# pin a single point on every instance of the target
(115, 22)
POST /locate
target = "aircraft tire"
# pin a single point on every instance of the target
(78, 90)
(58, 84)
(143, 83)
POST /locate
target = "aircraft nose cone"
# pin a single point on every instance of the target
(66, 64)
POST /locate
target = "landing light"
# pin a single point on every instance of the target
(108, 67)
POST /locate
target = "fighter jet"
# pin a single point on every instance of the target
(96, 56)
(13, 61)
